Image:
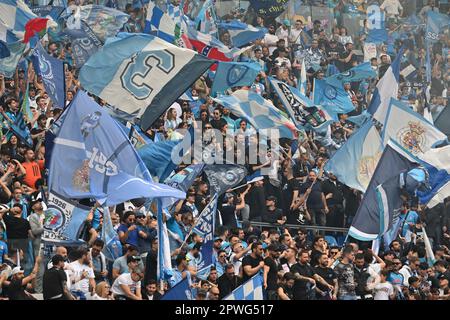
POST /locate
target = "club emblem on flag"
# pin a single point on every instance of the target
(367, 167)
(345, 75)
(330, 92)
(236, 73)
(54, 219)
(89, 123)
(412, 137)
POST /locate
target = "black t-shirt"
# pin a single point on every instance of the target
(315, 255)
(252, 262)
(16, 291)
(218, 124)
(16, 228)
(228, 214)
(52, 283)
(288, 193)
(345, 66)
(273, 273)
(327, 274)
(315, 197)
(301, 287)
(198, 202)
(287, 291)
(272, 216)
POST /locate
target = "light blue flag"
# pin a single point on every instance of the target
(371, 220)
(250, 290)
(235, 74)
(93, 158)
(157, 157)
(205, 228)
(159, 23)
(359, 120)
(355, 74)
(9, 64)
(334, 99)
(64, 220)
(164, 268)
(242, 34)
(184, 179)
(436, 22)
(377, 36)
(301, 109)
(410, 129)
(14, 15)
(206, 18)
(260, 113)
(361, 152)
(113, 246)
(121, 74)
(386, 89)
(52, 72)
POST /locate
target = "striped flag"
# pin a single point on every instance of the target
(159, 23)
(251, 290)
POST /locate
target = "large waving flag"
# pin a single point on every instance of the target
(9, 64)
(222, 177)
(410, 129)
(301, 109)
(52, 72)
(369, 223)
(259, 112)
(235, 74)
(334, 99)
(93, 158)
(157, 157)
(355, 74)
(361, 152)
(251, 290)
(436, 22)
(159, 23)
(14, 15)
(142, 74)
(386, 89)
(242, 34)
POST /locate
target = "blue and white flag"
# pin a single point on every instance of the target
(355, 74)
(84, 43)
(142, 74)
(164, 268)
(184, 179)
(361, 152)
(334, 99)
(159, 23)
(222, 177)
(181, 291)
(302, 80)
(113, 247)
(386, 89)
(14, 15)
(410, 129)
(242, 34)
(368, 223)
(52, 72)
(105, 22)
(235, 74)
(174, 12)
(301, 109)
(157, 157)
(251, 290)
(206, 18)
(63, 221)
(8, 64)
(259, 112)
(205, 228)
(436, 22)
(93, 158)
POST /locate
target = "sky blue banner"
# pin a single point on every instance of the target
(235, 74)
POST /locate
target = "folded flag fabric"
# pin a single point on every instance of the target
(361, 152)
(436, 22)
(251, 290)
(9, 64)
(410, 129)
(355, 74)
(242, 34)
(141, 74)
(301, 109)
(259, 112)
(235, 74)
(159, 23)
(334, 99)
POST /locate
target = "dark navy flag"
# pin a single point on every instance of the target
(184, 179)
(93, 158)
(269, 8)
(205, 228)
(181, 291)
(369, 223)
(84, 43)
(222, 177)
(53, 11)
(442, 121)
(4, 50)
(52, 72)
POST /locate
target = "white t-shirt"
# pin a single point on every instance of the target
(392, 7)
(382, 291)
(77, 270)
(125, 278)
(237, 264)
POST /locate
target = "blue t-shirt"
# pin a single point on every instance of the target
(132, 236)
(3, 250)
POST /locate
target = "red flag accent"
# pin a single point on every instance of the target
(34, 26)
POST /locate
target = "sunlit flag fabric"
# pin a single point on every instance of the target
(368, 223)
(241, 33)
(436, 22)
(141, 74)
(159, 23)
(410, 129)
(181, 291)
(8, 64)
(14, 14)
(361, 153)
(206, 18)
(334, 99)
(259, 112)
(251, 290)
(301, 109)
(183, 179)
(355, 74)
(93, 158)
(235, 74)
(52, 72)
(386, 89)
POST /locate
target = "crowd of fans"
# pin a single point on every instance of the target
(297, 262)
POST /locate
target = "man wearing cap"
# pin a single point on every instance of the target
(120, 265)
(283, 31)
(55, 281)
(15, 285)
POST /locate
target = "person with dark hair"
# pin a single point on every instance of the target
(150, 291)
(317, 250)
(345, 275)
(328, 274)
(128, 233)
(384, 290)
(362, 275)
(120, 265)
(82, 276)
(98, 260)
(55, 281)
(285, 289)
(180, 271)
(271, 268)
(33, 169)
(228, 281)
(253, 263)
